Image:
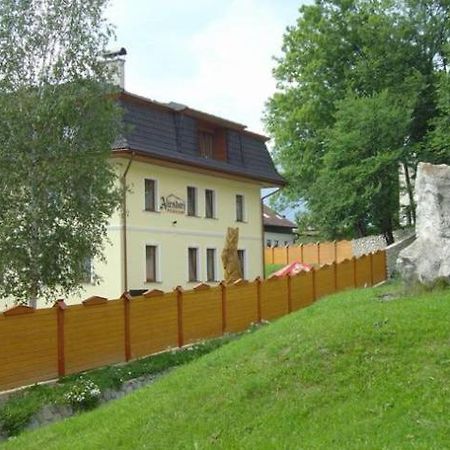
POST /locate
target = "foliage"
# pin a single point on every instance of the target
(59, 120)
(358, 370)
(83, 395)
(354, 53)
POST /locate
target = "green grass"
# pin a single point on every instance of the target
(269, 269)
(357, 370)
(17, 411)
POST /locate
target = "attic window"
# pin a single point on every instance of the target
(212, 142)
(206, 143)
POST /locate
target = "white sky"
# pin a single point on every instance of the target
(215, 56)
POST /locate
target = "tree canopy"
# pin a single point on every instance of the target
(357, 97)
(59, 119)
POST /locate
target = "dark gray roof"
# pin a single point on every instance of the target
(272, 218)
(169, 132)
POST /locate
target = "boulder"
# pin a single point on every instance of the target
(427, 259)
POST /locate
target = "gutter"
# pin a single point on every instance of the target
(124, 223)
(262, 228)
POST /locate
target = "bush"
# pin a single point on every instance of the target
(84, 394)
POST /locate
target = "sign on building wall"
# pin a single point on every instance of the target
(173, 204)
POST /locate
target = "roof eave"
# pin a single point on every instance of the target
(271, 182)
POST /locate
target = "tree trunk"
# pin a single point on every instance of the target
(410, 193)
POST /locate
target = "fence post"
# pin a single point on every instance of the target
(60, 308)
(224, 306)
(258, 299)
(354, 270)
(335, 252)
(318, 253)
(126, 297)
(289, 292)
(386, 271)
(179, 291)
(301, 253)
(273, 255)
(287, 254)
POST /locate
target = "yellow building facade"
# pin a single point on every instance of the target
(188, 178)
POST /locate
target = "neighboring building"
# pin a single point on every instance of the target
(190, 175)
(278, 231)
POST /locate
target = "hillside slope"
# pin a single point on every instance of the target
(354, 371)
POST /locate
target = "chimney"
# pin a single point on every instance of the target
(117, 64)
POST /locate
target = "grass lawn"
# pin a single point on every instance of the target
(269, 269)
(357, 370)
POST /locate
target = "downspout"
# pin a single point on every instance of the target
(124, 223)
(262, 229)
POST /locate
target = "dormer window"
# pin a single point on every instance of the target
(212, 142)
(206, 142)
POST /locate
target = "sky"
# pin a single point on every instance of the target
(215, 56)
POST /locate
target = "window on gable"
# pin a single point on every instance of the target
(193, 263)
(191, 201)
(209, 204)
(210, 264)
(241, 256)
(150, 263)
(150, 195)
(239, 208)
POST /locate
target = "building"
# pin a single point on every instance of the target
(189, 175)
(278, 231)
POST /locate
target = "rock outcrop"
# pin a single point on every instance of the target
(427, 259)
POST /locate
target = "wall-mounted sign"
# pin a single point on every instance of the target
(173, 204)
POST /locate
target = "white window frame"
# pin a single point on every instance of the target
(245, 265)
(199, 265)
(156, 194)
(244, 208)
(216, 264)
(214, 216)
(158, 262)
(197, 205)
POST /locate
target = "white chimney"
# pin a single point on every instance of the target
(117, 64)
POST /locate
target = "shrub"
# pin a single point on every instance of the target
(84, 394)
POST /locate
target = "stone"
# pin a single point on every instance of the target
(427, 259)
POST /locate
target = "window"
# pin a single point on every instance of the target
(193, 263)
(87, 270)
(269, 242)
(210, 264)
(191, 201)
(150, 195)
(239, 208)
(206, 144)
(276, 243)
(210, 212)
(241, 256)
(150, 263)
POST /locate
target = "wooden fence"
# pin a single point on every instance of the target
(317, 254)
(43, 344)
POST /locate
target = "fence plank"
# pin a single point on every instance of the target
(29, 348)
(274, 298)
(153, 324)
(241, 306)
(302, 290)
(202, 314)
(324, 281)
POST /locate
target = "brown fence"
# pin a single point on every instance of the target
(319, 253)
(38, 345)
